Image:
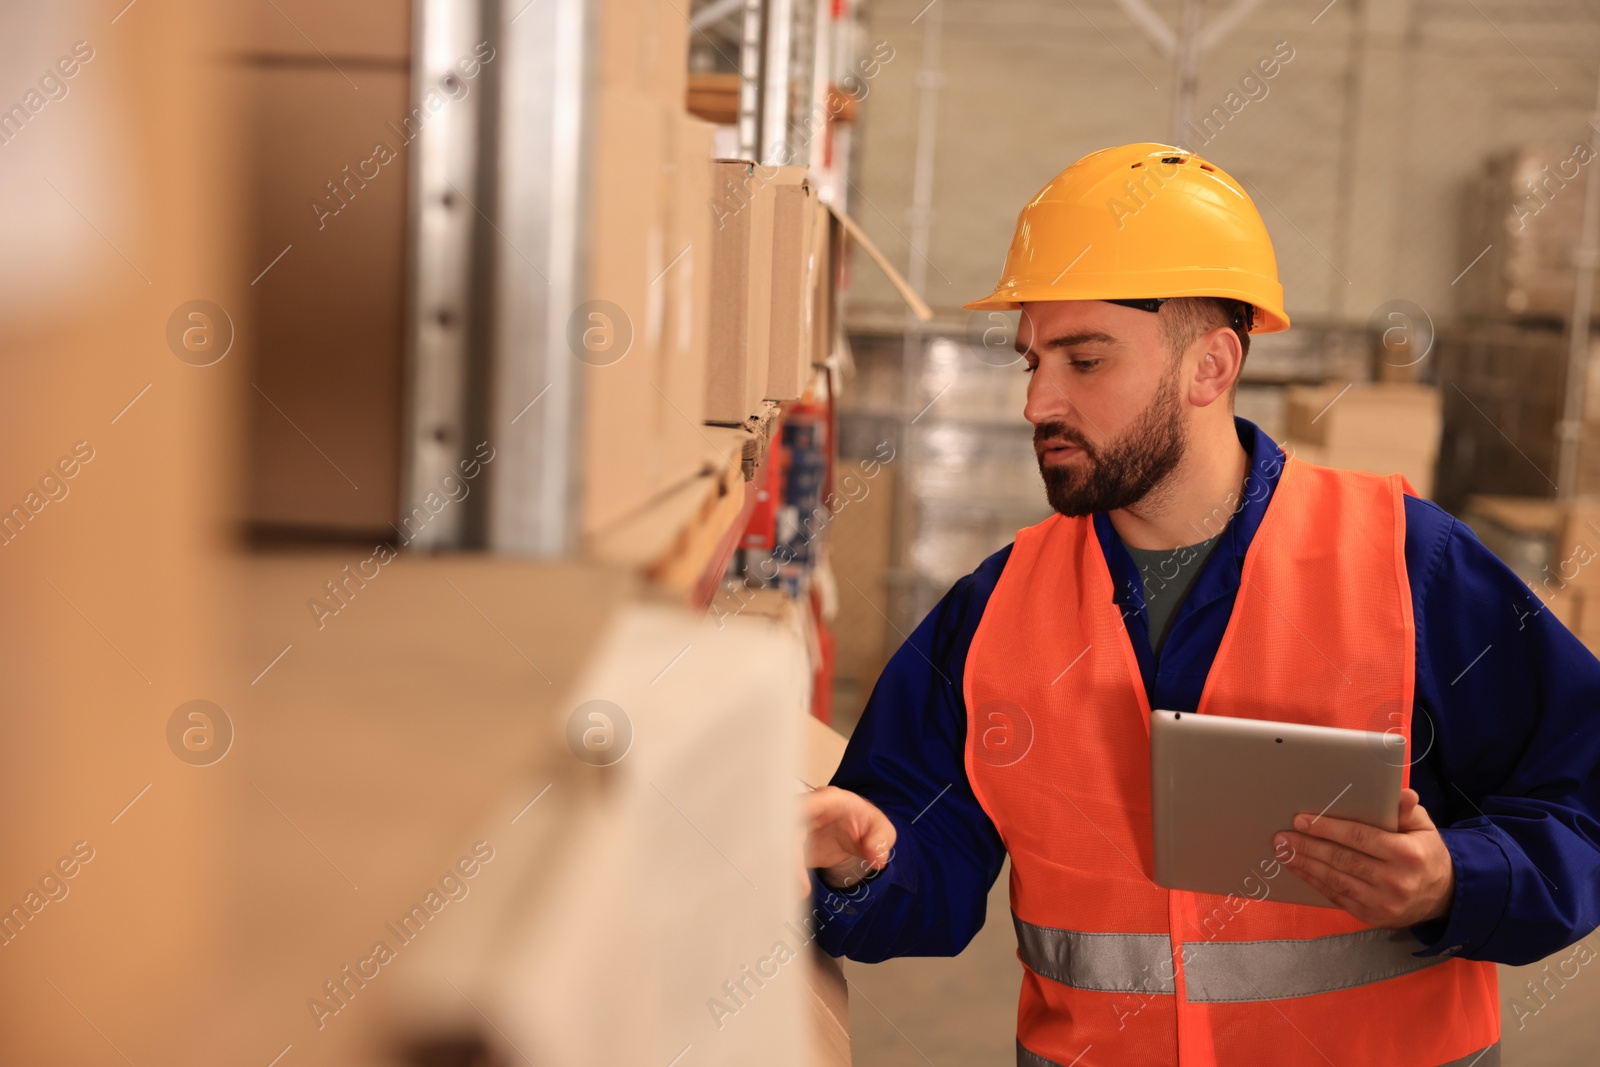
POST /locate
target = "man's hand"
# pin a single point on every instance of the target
(1383, 879)
(846, 836)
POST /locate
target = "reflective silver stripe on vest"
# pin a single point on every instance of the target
(1219, 971)
(1104, 963)
(1224, 971)
(1484, 1057)
(1029, 1058)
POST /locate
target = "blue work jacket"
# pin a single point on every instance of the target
(1505, 743)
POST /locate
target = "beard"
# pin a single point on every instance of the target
(1121, 472)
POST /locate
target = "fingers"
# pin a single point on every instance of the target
(1415, 817)
(876, 838)
(846, 830)
(1355, 835)
(1337, 886)
(1375, 842)
(1318, 854)
(822, 806)
(1408, 804)
(1391, 905)
(1381, 892)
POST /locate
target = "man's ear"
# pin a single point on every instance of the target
(1220, 361)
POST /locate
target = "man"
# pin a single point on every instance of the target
(1192, 566)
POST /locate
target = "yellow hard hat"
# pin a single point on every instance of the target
(1141, 222)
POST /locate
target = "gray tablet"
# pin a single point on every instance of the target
(1221, 787)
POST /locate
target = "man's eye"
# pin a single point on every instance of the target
(1085, 364)
(1029, 368)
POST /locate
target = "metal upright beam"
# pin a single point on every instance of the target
(1158, 31)
(774, 144)
(714, 13)
(821, 64)
(913, 352)
(1225, 23)
(750, 87)
(540, 152)
(444, 170)
(1186, 76)
(1586, 259)
(1185, 45)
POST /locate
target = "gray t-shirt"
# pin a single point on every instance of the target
(1168, 574)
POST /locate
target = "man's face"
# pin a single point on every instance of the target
(1105, 402)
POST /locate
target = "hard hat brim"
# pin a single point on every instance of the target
(1267, 319)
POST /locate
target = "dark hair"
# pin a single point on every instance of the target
(1183, 318)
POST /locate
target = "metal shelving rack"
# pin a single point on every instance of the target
(498, 255)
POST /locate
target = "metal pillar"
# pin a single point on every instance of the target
(540, 153)
(750, 86)
(920, 215)
(1186, 76)
(1185, 46)
(1587, 258)
(774, 144)
(442, 222)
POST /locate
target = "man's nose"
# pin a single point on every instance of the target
(1048, 400)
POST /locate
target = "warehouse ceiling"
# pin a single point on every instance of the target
(1359, 152)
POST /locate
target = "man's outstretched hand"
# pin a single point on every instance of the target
(1383, 879)
(846, 835)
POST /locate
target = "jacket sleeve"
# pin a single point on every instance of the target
(907, 757)
(1506, 744)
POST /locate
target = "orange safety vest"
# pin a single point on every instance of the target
(1119, 971)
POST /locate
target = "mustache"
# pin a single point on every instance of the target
(1059, 433)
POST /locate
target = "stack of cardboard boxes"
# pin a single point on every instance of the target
(771, 263)
(1523, 215)
(640, 337)
(1568, 584)
(1384, 428)
(709, 289)
(1505, 391)
(1553, 546)
(1505, 375)
(1571, 583)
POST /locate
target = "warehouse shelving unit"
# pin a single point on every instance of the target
(560, 213)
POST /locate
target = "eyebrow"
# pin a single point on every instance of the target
(1069, 340)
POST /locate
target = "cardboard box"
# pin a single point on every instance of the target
(1578, 537)
(1565, 602)
(674, 538)
(741, 291)
(685, 289)
(1528, 216)
(714, 96)
(375, 33)
(824, 325)
(620, 332)
(789, 338)
(1363, 415)
(671, 74)
(1519, 530)
(824, 261)
(644, 46)
(861, 545)
(636, 447)
(1550, 543)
